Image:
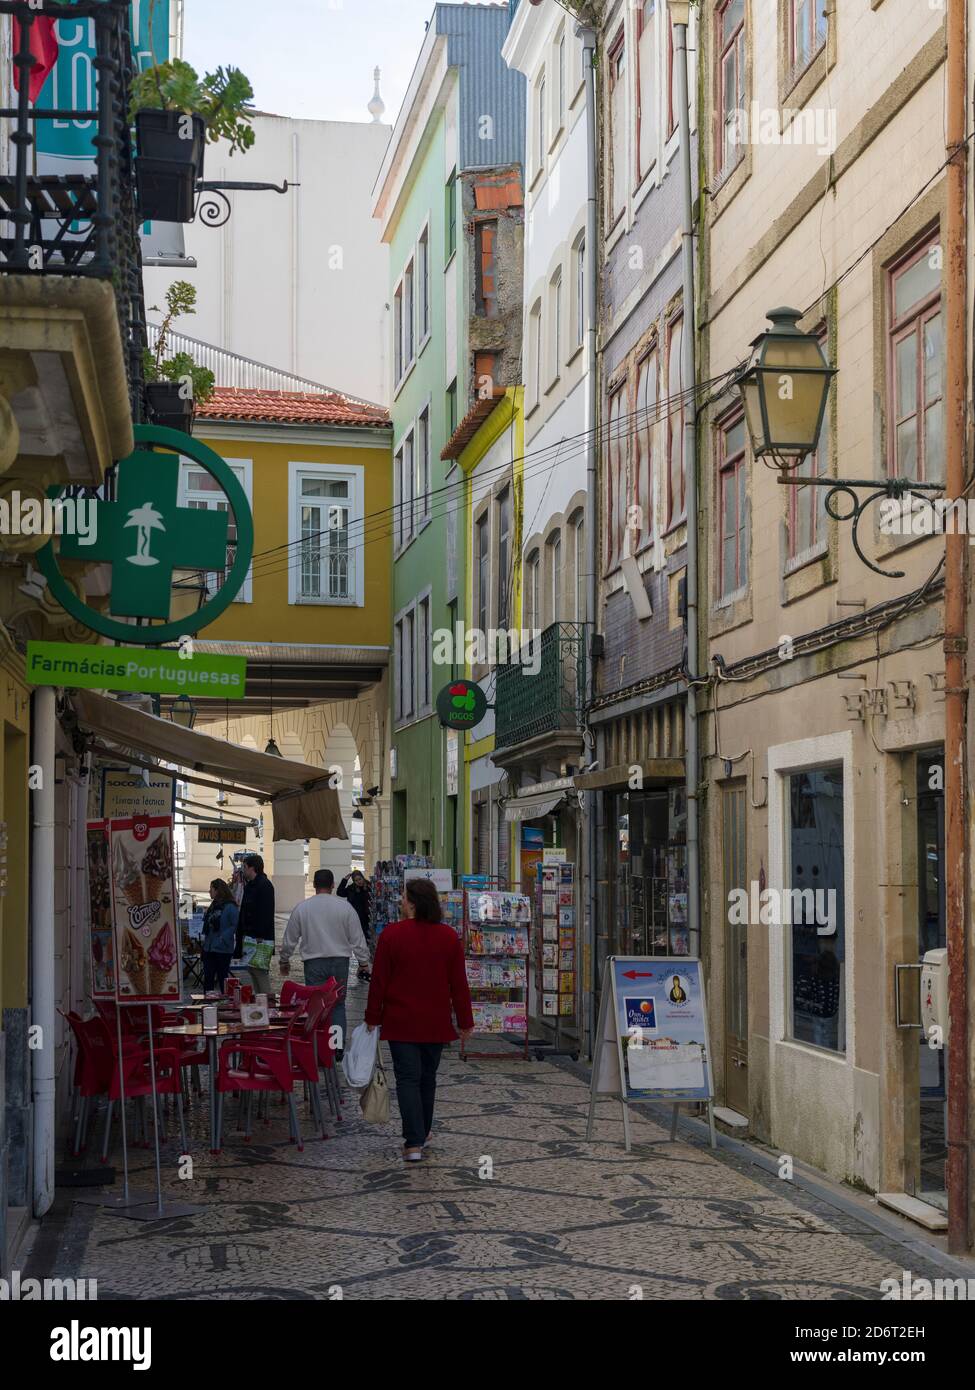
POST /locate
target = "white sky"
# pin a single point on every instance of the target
(311, 58)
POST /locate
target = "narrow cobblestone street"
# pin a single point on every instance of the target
(559, 1219)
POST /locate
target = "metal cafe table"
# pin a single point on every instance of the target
(214, 1036)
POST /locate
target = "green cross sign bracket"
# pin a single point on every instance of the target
(144, 535)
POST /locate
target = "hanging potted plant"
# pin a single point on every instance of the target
(175, 385)
(175, 114)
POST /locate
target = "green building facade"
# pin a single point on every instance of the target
(463, 114)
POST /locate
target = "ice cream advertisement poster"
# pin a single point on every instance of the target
(101, 938)
(661, 1022)
(144, 898)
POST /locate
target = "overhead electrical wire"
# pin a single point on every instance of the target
(380, 525)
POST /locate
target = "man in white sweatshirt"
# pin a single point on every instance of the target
(329, 933)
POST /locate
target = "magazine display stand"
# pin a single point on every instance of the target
(386, 895)
(496, 937)
(555, 953)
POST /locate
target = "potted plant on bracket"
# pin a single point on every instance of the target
(175, 113)
(175, 385)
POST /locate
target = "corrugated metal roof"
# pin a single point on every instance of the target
(488, 87)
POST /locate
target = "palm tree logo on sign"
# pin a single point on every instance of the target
(147, 519)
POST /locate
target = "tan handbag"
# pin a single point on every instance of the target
(375, 1098)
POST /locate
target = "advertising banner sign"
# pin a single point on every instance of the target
(652, 1038)
(147, 945)
(126, 793)
(101, 938)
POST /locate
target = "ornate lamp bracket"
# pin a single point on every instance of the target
(844, 502)
(213, 207)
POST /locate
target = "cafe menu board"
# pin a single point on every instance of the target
(147, 946)
(555, 955)
(101, 939)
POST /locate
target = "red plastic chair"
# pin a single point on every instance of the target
(134, 1075)
(334, 992)
(94, 1064)
(299, 1043)
(254, 1068)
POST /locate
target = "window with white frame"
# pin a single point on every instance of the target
(580, 290)
(423, 284)
(541, 124)
(200, 491)
(617, 127)
(561, 73)
(404, 331)
(577, 532)
(533, 615)
(423, 653)
(555, 325)
(555, 574)
(423, 465)
(504, 558)
(325, 524)
(535, 352)
(408, 488)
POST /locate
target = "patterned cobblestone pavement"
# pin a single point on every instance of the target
(559, 1219)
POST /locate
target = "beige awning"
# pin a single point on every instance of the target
(303, 804)
(533, 807)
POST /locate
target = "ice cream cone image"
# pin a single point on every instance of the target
(134, 963)
(157, 867)
(133, 891)
(162, 958)
(151, 888)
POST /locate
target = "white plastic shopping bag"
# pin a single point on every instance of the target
(359, 1061)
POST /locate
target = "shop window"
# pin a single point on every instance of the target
(916, 366)
(815, 882)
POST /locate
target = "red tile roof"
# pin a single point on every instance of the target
(291, 408)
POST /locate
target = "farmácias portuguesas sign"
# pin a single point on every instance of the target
(145, 536)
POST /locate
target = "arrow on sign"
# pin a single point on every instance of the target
(636, 974)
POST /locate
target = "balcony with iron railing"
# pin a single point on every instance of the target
(69, 241)
(543, 710)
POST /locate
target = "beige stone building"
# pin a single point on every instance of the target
(822, 152)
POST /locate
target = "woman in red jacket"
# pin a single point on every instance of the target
(418, 973)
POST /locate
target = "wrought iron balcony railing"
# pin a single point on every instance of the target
(527, 705)
(80, 223)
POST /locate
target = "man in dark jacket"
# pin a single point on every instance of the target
(256, 915)
(355, 889)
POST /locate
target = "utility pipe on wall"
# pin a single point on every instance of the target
(955, 642)
(679, 14)
(42, 949)
(588, 37)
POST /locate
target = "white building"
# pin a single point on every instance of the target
(297, 280)
(542, 45)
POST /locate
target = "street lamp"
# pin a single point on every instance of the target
(182, 712)
(785, 391)
(680, 12)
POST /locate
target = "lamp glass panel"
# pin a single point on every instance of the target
(753, 414)
(793, 404)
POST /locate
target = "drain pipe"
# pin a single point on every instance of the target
(587, 35)
(42, 949)
(680, 14)
(957, 923)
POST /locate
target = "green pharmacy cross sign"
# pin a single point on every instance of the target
(144, 535)
(461, 705)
